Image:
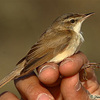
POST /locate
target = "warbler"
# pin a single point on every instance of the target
(61, 40)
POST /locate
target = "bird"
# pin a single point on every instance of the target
(61, 40)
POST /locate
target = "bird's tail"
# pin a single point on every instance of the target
(13, 74)
(8, 78)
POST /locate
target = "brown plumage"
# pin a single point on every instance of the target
(45, 49)
(62, 39)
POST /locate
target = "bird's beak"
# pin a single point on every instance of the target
(81, 20)
(85, 16)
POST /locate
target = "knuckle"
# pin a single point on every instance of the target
(30, 89)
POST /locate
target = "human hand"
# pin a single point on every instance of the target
(58, 83)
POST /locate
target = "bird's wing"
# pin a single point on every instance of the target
(49, 45)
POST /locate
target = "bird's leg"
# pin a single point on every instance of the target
(93, 66)
(84, 74)
(89, 65)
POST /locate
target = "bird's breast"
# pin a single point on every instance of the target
(72, 48)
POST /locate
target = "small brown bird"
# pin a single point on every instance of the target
(61, 40)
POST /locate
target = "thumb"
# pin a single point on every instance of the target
(71, 88)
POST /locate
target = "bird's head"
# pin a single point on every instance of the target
(71, 21)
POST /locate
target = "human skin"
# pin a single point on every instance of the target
(58, 82)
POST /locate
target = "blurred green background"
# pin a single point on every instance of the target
(22, 22)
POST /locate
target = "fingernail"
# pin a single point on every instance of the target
(44, 96)
(45, 67)
(78, 86)
(66, 61)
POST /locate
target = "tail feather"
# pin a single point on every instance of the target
(8, 78)
(13, 74)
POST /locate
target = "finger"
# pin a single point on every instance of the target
(8, 96)
(31, 89)
(48, 73)
(71, 88)
(72, 65)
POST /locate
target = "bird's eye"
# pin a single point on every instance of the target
(72, 21)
